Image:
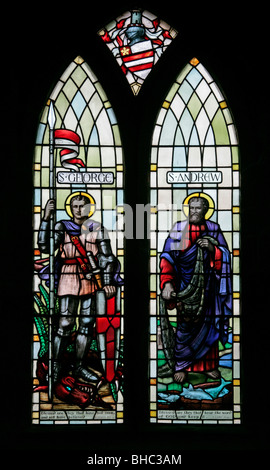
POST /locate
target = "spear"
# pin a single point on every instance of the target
(51, 122)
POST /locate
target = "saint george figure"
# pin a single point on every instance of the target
(76, 240)
(195, 277)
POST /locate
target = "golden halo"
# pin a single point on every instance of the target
(211, 203)
(80, 193)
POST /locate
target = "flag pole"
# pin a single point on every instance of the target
(51, 122)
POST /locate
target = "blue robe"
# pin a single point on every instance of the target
(193, 340)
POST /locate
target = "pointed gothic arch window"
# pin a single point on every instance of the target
(194, 255)
(78, 255)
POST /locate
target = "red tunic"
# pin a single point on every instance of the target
(72, 280)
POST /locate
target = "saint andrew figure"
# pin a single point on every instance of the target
(195, 278)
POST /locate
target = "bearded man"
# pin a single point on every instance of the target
(195, 278)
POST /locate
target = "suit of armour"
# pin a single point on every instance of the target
(76, 289)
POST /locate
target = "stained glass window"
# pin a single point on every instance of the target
(230, 50)
(78, 255)
(194, 256)
(137, 39)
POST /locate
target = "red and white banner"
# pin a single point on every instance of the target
(69, 142)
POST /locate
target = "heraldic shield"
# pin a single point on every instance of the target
(78, 324)
(137, 39)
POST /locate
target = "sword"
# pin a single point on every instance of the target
(95, 270)
(51, 122)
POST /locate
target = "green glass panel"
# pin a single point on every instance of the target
(93, 157)
(61, 104)
(70, 89)
(62, 195)
(45, 177)
(182, 75)
(220, 129)
(194, 105)
(116, 135)
(78, 76)
(235, 154)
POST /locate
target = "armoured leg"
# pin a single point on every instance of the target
(68, 308)
(83, 340)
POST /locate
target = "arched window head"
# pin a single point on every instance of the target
(194, 255)
(78, 255)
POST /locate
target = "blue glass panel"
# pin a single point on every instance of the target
(40, 133)
(194, 77)
(120, 197)
(168, 130)
(78, 103)
(36, 197)
(109, 219)
(179, 157)
(112, 116)
(185, 91)
(94, 140)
